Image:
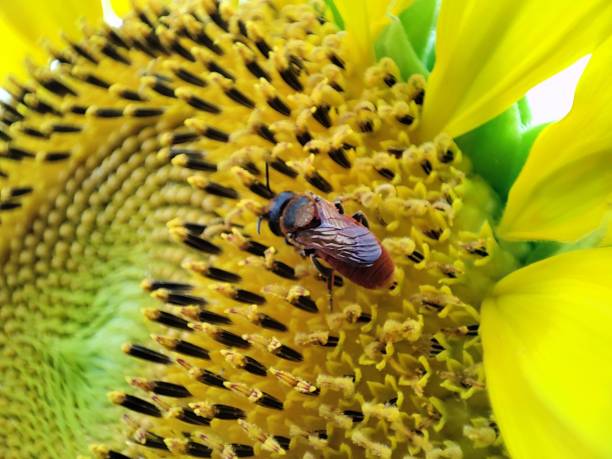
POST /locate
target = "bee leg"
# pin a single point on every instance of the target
(339, 206)
(360, 217)
(328, 275)
(289, 239)
(307, 252)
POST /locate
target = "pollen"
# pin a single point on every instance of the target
(147, 313)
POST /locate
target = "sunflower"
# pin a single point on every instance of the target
(149, 307)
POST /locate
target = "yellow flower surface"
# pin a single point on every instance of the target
(547, 352)
(147, 309)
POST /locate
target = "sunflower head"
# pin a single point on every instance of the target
(161, 297)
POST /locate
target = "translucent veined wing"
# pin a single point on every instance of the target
(340, 237)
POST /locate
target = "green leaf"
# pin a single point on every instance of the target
(498, 149)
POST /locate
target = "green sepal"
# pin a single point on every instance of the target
(499, 148)
(419, 23)
(394, 43)
(335, 14)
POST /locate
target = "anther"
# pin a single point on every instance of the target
(446, 156)
(152, 284)
(291, 76)
(320, 338)
(317, 180)
(65, 128)
(105, 112)
(386, 173)
(252, 314)
(244, 362)
(255, 395)
(160, 387)
(181, 234)
(9, 205)
(214, 12)
(185, 136)
(321, 114)
(178, 299)
(239, 97)
(165, 318)
(56, 86)
(477, 248)
(144, 353)
(115, 38)
(268, 442)
(207, 131)
(17, 154)
(204, 315)
(426, 166)
(298, 384)
(213, 67)
(182, 347)
(149, 439)
(143, 112)
(196, 102)
(416, 256)
(33, 132)
(94, 80)
(18, 191)
(204, 376)
(221, 335)
(81, 51)
(277, 104)
(134, 404)
(339, 157)
(304, 302)
(265, 133)
(211, 272)
(189, 77)
(435, 347)
(188, 416)
(54, 156)
(283, 270)
(254, 247)
(356, 416)
(217, 411)
(159, 86)
(198, 34)
(275, 347)
(179, 49)
(240, 295)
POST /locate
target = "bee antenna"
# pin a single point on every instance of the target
(268, 176)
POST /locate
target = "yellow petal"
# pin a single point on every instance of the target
(489, 53)
(121, 7)
(565, 188)
(14, 51)
(24, 23)
(546, 339)
(35, 19)
(363, 21)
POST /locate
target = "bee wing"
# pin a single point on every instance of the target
(343, 239)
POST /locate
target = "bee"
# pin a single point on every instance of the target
(321, 230)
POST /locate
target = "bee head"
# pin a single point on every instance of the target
(275, 211)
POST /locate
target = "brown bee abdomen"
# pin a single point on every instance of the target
(378, 275)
